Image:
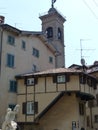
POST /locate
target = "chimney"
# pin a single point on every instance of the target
(2, 19)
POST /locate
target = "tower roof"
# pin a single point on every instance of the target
(53, 11)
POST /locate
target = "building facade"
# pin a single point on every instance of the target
(23, 52)
(54, 99)
(92, 105)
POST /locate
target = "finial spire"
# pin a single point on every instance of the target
(53, 1)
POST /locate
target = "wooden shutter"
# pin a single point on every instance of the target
(24, 108)
(81, 109)
(67, 78)
(25, 80)
(35, 107)
(54, 78)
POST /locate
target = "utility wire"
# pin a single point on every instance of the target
(90, 9)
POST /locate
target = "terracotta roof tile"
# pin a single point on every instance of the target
(58, 70)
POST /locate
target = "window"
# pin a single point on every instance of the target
(34, 68)
(35, 52)
(96, 118)
(30, 108)
(10, 60)
(82, 79)
(13, 86)
(11, 40)
(30, 81)
(81, 108)
(50, 59)
(49, 32)
(23, 45)
(61, 78)
(59, 34)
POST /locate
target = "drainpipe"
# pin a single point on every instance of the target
(1, 41)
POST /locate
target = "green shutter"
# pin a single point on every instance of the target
(12, 61)
(8, 59)
(54, 78)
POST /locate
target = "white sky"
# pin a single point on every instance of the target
(81, 24)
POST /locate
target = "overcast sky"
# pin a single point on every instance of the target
(81, 27)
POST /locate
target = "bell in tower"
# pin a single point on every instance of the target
(53, 28)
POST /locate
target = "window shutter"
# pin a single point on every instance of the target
(24, 108)
(8, 59)
(12, 61)
(81, 109)
(25, 80)
(54, 79)
(67, 78)
(15, 86)
(35, 107)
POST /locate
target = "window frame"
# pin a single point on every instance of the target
(34, 68)
(23, 46)
(30, 83)
(96, 118)
(81, 109)
(11, 40)
(10, 60)
(27, 108)
(59, 34)
(50, 59)
(30, 108)
(13, 86)
(35, 53)
(61, 78)
(49, 32)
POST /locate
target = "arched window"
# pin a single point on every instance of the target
(49, 32)
(59, 33)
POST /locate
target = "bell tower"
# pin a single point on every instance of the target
(53, 29)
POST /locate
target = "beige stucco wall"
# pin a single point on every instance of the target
(66, 110)
(61, 115)
(24, 61)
